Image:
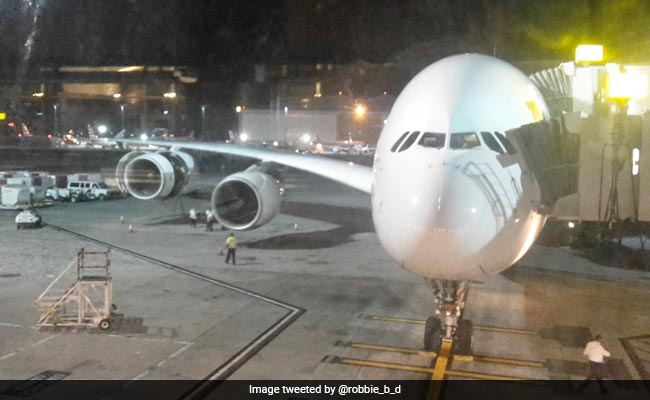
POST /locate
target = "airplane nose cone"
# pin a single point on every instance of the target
(446, 217)
(464, 220)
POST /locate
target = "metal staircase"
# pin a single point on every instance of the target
(86, 302)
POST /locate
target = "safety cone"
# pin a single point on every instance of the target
(131, 229)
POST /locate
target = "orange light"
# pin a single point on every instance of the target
(360, 110)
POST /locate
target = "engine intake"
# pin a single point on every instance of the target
(246, 200)
(160, 175)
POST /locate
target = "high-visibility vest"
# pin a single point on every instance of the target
(231, 242)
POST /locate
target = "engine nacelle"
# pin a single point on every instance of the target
(246, 200)
(155, 175)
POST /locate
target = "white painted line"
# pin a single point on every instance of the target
(8, 355)
(42, 341)
(174, 354)
(186, 345)
(10, 325)
(142, 375)
(27, 347)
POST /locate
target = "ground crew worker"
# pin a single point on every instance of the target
(193, 218)
(231, 245)
(596, 354)
(209, 220)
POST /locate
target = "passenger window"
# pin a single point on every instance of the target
(466, 140)
(396, 145)
(430, 139)
(95, 186)
(409, 141)
(510, 148)
(74, 185)
(491, 142)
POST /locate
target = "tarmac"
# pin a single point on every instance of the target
(313, 296)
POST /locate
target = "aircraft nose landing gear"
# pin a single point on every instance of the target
(447, 323)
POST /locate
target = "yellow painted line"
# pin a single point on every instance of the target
(464, 358)
(476, 375)
(439, 370)
(378, 364)
(509, 361)
(392, 349)
(505, 330)
(441, 362)
(475, 358)
(476, 327)
(490, 377)
(392, 319)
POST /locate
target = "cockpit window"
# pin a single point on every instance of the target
(396, 145)
(465, 140)
(510, 148)
(430, 139)
(491, 142)
(409, 141)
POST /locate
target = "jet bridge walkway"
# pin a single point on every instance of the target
(593, 168)
(87, 301)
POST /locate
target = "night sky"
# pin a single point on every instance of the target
(241, 32)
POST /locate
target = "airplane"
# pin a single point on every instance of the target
(95, 140)
(444, 204)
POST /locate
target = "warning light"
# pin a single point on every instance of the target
(11, 124)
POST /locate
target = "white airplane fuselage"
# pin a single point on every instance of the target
(443, 204)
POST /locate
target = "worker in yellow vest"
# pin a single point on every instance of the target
(231, 245)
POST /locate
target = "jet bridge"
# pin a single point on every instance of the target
(589, 168)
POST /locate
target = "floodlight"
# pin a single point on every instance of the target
(586, 53)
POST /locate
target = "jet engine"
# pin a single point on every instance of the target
(246, 200)
(154, 175)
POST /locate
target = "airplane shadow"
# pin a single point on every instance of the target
(351, 220)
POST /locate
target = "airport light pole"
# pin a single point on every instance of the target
(171, 96)
(39, 95)
(122, 114)
(286, 124)
(56, 117)
(202, 120)
(359, 113)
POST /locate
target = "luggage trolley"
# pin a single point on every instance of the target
(88, 302)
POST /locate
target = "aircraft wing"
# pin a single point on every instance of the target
(347, 173)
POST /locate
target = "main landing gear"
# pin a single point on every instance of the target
(447, 323)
